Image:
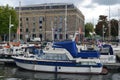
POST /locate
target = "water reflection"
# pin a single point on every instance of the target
(15, 73)
(52, 76)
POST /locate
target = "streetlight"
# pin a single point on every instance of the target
(10, 25)
(103, 31)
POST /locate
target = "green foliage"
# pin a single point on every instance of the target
(88, 28)
(5, 12)
(104, 22)
(114, 27)
(101, 26)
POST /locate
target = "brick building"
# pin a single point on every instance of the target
(49, 21)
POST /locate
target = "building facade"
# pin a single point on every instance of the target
(52, 21)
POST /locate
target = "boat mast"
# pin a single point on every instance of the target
(65, 21)
(109, 24)
(9, 28)
(18, 35)
(119, 24)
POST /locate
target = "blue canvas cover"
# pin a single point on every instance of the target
(89, 53)
(71, 47)
(110, 48)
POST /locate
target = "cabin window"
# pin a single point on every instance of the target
(92, 63)
(84, 63)
(53, 56)
(88, 63)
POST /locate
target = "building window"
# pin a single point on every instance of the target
(33, 24)
(40, 27)
(61, 36)
(27, 19)
(33, 19)
(33, 35)
(21, 36)
(40, 22)
(33, 30)
(27, 30)
(55, 18)
(20, 30)
(27, 24)
(59, 29)
(40, 36)
(61, 19)
(41, 18)
(66, 36)
(55, 36)
(20, 19)
(20, 24)
(60, 25)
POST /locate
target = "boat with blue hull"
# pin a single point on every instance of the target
(71, 61)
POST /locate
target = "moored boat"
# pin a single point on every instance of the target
(9, 50)
(107, 55)
(86, 61)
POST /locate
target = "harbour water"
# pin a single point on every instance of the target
(12, 72)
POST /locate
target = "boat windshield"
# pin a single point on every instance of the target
(53, 56)
(104, 51)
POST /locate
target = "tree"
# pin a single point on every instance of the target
(102, 26)
(104, 22)
(88, 28)
(5, 13)
(114, 27)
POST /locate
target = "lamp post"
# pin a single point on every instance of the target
(10, 25)
(52, 31)
(119, 30)
(103, 32)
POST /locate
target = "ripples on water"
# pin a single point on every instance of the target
(14, 73)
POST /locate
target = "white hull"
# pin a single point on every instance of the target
(108, 59)
(60, 69)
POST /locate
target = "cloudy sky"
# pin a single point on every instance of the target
(91, 9)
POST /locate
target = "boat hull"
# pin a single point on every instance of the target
(60, 67)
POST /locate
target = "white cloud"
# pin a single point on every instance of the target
(85, 3)
(91, 9)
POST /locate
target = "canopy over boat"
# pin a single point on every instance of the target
(70, 46)
(110, 48)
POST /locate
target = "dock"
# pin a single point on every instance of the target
(118, 56)
(112, 65)
(2, 61)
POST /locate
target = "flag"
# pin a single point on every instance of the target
(99, 43)
(18, 30)
(76, 38)
(80, 30)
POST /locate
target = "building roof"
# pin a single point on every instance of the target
(47, 4)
